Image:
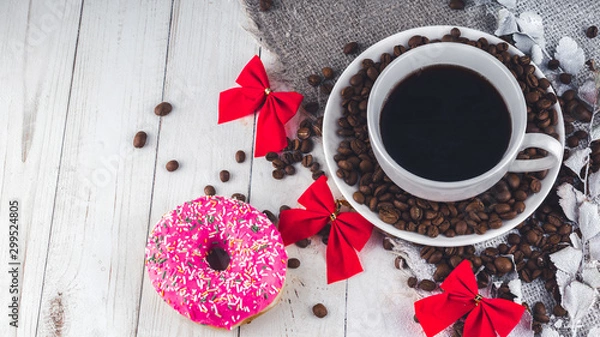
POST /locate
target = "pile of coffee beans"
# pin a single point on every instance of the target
(358, 166)
(298, 151)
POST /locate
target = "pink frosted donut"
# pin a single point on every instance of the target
(217, 261)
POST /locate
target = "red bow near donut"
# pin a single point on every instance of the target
(255, 93)
(486, 316)
(349, 230)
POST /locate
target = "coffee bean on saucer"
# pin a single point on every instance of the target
(140, 139)
(350, 48)
(163, 109)
(209, 190)
(457, 4)
(591, 32)
(172, 165)
(224, 175)
(319, 310)
(240, 156)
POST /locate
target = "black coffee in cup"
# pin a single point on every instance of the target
(445, 123)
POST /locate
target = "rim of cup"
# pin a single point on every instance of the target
(437, 53)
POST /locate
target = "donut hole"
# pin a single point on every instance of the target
(218, 258)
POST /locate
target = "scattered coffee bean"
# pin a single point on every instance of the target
(317, 175)
(307, 160)
(573, 141)
(209, 190)
(327, 73)
(278, 174)
(293, 263)
(591, 32)
(290, 170)
(319, 310)
(326, 87)
(565, 78)
(140, 139)
(303, 133)
(238, 196)
(350, 48)
(412, 282)
(270, 156)
(314, 80)
(559, 311)
(240, 156)
(163, 109)
(265, 5)
(303, 243)
(311, 107)
(503, 264)
(553, 64)
(457, 4)
(400, 263)
(591, 64)
(427, 285)
(224, 176)
(387, 244)
(271, 216)
(172, 165)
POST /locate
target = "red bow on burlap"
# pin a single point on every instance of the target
(349, 230)
(486, 316)
(255, 93)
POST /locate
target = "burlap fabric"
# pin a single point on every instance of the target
(307, 35)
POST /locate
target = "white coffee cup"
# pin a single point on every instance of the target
(500, 77)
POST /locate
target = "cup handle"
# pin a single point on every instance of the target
(541, 141)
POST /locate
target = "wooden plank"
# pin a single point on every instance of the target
(208, 49)
(379, 301)
(37, 53)
(307, 285)
(95, 261)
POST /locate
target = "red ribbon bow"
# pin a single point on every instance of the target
(486, 316)
(349, 230)
(254, 93)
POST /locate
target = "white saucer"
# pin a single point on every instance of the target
(331, 140)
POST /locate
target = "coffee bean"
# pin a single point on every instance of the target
(565, 78)
(163, 109)
(290, 170)
(412, 282)
(441, 272)
(224, 176)
(209, 190)
(327, 72)
(457, 4)
(278, 174)
(140, 139)
(573, 141)
(559, 311)
(591, 64)
(304, 133)
(358, 197)
(307, 160)
(172, 165)
(306, 146)
(293, 263)
(315, 167)
(503, 265)
(314, 80)
(303, 243)
(591, 32)
(265, 5)
(240, 156)
(350, 48)
(535, 186)
(317, 175)
(553, 64)
(311, 107)
(238, 196)
(427, 285)
(400, 263)
(270, 156)
(271, 216)
(319, 310)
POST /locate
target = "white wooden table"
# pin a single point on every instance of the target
(78, 80)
